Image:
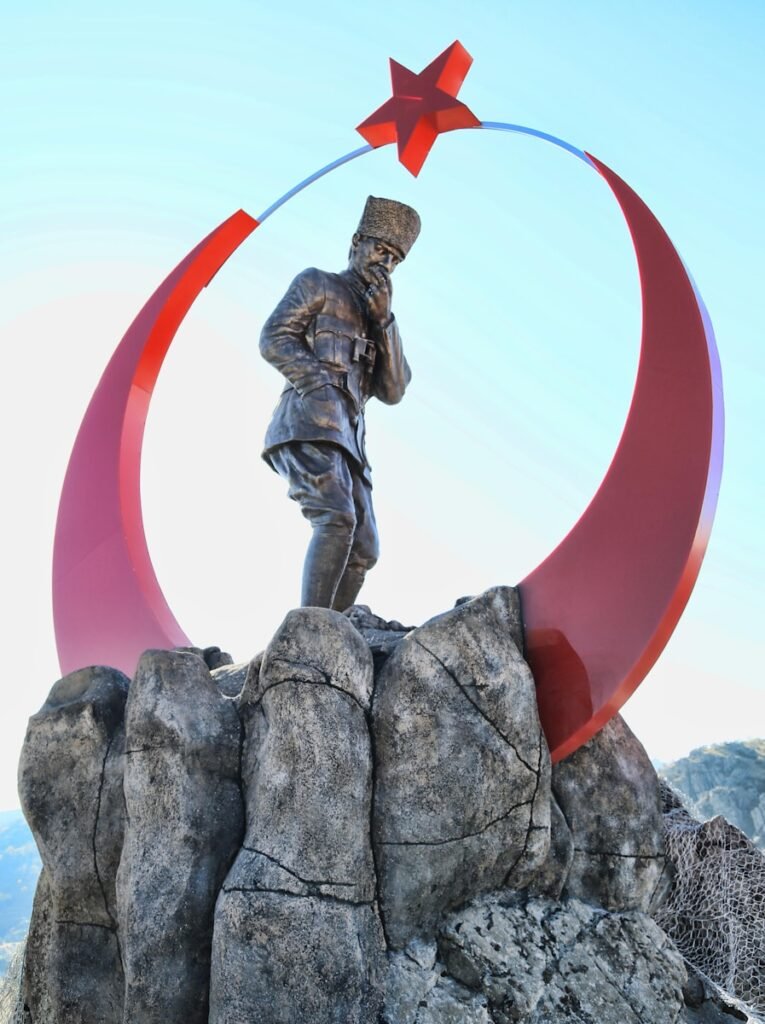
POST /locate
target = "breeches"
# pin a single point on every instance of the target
(331, 492)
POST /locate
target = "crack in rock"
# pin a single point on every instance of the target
(99, 880)
(297, 895)
(326, 681)
(457, 839)
(532, 827)
(613, 853)
(452, 675)
(305, 881)
(88, 924)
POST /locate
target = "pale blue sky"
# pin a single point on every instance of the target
(130, 132)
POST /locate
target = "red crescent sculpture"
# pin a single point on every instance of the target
(107, 604)
(598, 611)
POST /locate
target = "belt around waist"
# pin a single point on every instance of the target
(342, 350)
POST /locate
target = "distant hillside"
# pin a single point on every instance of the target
(19, 868)
(726, 779)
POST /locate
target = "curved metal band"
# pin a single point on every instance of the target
(107, 604)
(598, 611)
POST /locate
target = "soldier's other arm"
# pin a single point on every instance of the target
(283, 340)
(391, 372)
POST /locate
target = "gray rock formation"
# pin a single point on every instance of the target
(551, 877)
(462, 769)
(726, 780)
(230, 679)
(705, 1003)
(185, 823)
(390, 777)
(297, 936)
(608, 793)
(514, 959)
(540, 960)
(420, 991)
(382, 635)
(40, 989)
(11, 984)
(70, 785)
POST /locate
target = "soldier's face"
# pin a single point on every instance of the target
(371, 257)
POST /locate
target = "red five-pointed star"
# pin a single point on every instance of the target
(422, 106)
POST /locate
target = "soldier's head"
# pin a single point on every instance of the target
(386, 232)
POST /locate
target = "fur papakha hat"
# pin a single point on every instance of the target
(391, 222)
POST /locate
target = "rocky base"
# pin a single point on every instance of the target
(361, 825)
(556, 960)
(513, 958)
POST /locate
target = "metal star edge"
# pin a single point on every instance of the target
(422, 106)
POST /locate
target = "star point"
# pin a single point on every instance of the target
(422, 106)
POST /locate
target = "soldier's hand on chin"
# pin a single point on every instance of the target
(378, 296)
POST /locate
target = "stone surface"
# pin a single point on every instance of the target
(706, 1004)
(70, 785)
(608, 792)
(726, 779)
(544, 962)
(307, 764)
(284, 959)
(550, 879)
(185, 822)
(38, 983)
(419, 991)
(298, 903)
(213, 657)
(230, 679)
(473, 861)
(382, 635)
(462, 768)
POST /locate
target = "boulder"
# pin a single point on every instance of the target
(419, 991)
(391, 777)
(185, 822)
(540, 961)
(382, 635)
(70, 785)
(38, 984)
(705, 1003)
(608, 792)
(462, 785)
(230, 679)
(279, 958)
(297, 934)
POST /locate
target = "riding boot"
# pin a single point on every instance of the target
(348, 589)
(325, 564)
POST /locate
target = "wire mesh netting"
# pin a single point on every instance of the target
(715, 913)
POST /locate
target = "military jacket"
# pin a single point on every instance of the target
(334, 359)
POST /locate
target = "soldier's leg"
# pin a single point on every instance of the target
(320, 481)
(365, 549)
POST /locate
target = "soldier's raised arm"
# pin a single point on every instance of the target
(283, 340)
(391, 372)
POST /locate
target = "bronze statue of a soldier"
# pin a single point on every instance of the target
(336, 341)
